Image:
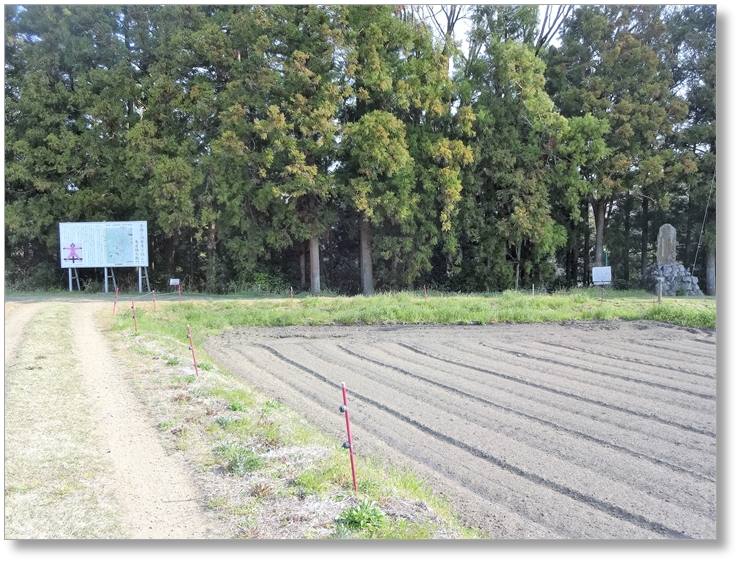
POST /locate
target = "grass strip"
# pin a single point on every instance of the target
(211, 317)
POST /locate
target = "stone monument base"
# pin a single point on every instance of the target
(676, 280)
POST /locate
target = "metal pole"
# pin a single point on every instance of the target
(69, 271)
(105, 273)
(348, 444)
(138, 269)
(192, 349)
(133, 308)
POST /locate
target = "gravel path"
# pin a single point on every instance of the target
(151, 487)
(601, 430)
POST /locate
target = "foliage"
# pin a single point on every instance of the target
(242, 133)
(239, 460)
(365, 516)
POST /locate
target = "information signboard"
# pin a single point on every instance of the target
(115, 244)
(602, 275)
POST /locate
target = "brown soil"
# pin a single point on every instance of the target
(573, 430)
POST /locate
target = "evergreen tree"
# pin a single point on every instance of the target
(611, 64)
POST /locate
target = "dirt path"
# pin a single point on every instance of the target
(152, 486)
(601, 430)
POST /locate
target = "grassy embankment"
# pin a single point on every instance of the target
(230, 430)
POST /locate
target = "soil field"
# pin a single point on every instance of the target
(580, 430)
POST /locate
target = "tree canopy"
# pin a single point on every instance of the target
(357, 148)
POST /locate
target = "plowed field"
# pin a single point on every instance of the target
(600, 430)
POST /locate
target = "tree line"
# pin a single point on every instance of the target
(363, 148)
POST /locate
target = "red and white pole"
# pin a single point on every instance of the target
(115, 301)
(348, 444)
(133, 308)
(192, 349)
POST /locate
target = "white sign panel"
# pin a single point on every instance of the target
(602, 275)
(174, 281)
(115, 244)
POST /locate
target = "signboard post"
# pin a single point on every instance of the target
(602, 276)
(115, 244)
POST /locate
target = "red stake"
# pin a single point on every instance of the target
(115, 301)
(154, 299)
(348, 444)
(136, 325)
(192, 349)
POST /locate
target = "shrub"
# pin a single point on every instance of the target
(364, 516)
(240, 460)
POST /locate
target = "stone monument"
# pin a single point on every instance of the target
(676, 280)
(666, 247)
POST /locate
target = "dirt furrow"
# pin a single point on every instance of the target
(696, 456)
(652, 388)
(647, 474)
(539, 450)
(647, 360)
(618, 369)
(270, 375)
(694, 350)
(684, 420)
(583, 485)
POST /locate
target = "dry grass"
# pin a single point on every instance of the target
(57, 481)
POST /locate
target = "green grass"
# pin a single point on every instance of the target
(212, 317)
(239, 459)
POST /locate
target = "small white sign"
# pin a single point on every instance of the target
(174, 282)
(602, 275)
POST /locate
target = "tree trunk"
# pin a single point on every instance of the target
(366, 264)
(627, 246)
(302, 264)
(599, 208)
(711, 270)
(171, 256)
(687, 238)
(586, 246)
(645, 233)
(314, 257)
(211, 271)
(573, 255)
